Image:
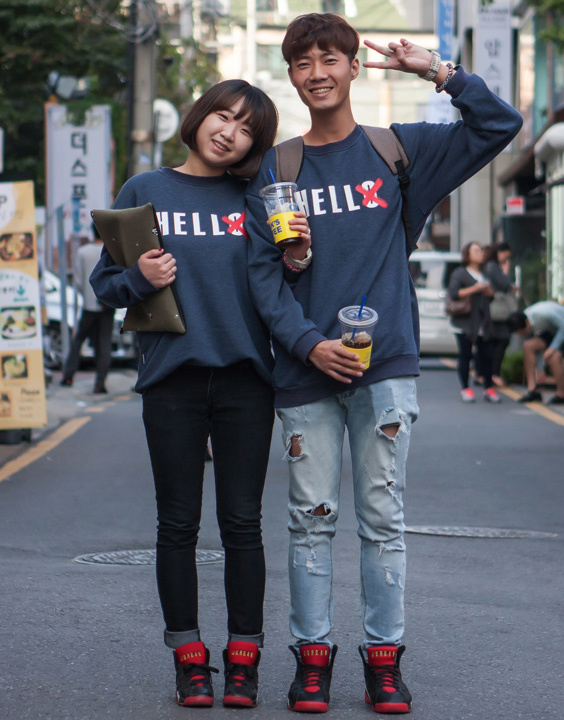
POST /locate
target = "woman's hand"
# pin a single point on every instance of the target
(300, 224)
(404, 56)
(158, 267)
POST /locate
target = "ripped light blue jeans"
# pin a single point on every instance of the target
(378, 418)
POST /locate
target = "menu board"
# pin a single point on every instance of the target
(22, 379)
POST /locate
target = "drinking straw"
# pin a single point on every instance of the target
(359, 314)
(272, 175)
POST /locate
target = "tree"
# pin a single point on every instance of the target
(41, 41)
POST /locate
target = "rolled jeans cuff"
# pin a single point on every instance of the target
(177, 639)
(256, 639)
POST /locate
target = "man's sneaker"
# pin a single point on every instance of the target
(309, 692)
(467, 395)
(490, 395)
(556, 400)
(66, 382)
(531, 396)
(385, 690)
(241, 661)
(193, 675)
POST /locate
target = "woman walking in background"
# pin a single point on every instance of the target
(496, 270)
(214, 380)
(472, 330)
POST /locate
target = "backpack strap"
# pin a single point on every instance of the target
(388, 146)
(289, 159)
(290, 155)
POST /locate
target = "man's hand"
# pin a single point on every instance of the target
(548, 353)
(334, 360)
(299, 223)
(404, 56)
(158, 267)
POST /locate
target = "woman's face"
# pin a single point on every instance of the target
(222, 139)
(475, 254)
(503, 256)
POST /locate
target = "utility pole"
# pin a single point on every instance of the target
(143, 55)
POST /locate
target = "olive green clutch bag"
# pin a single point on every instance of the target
(127, 234)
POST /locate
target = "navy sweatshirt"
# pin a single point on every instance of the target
(353, 204)
(201, 221)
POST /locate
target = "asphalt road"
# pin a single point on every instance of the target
(485, 614)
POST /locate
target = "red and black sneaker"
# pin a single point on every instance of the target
(309, 692)
(193, 675)
(241, 661)
(385, 690)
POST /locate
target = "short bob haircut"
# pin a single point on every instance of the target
(328, 31)
(263, 120)
(465, 252)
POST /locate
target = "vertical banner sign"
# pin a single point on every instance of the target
(492, 48)
(78, 171)
(444, 27)
(22, 380)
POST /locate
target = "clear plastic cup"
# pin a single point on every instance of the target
(280, 204)
(356, 332)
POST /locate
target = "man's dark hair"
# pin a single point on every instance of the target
(328, 31)
(263, 120)
(517, 321)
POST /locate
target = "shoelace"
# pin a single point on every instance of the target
(240, 674)
(386, 675)
(195, 676)
(314, 677)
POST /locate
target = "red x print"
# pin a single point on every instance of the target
(236, 225)
(370, 195)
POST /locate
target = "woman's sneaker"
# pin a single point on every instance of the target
(385, 690)
(490, 395)
(241, 661)
(467, 395)
(310, 690)
(193, 675)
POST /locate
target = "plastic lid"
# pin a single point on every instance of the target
(349, 315)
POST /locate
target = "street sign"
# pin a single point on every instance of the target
(515, 205)
(166, 120)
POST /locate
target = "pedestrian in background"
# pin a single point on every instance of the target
(472, 331)
(544, 322)
(497, 270)
(213, 381)
(96, 320)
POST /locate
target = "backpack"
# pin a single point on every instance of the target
(290, 155)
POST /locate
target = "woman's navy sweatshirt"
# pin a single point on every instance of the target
(353, 204)
(202, 224)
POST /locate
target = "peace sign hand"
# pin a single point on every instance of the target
(404, 56)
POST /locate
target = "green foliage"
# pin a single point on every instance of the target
(40, 37)
(512, 369)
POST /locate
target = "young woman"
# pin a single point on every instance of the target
(473, 330)
(212, 381)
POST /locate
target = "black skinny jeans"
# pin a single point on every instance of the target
(484, 356)
(234, 407)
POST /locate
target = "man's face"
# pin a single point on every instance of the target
(323, 78)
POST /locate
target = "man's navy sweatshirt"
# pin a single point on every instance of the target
(353, 204)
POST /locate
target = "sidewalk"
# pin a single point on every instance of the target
(64, 403)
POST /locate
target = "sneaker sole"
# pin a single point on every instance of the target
(309, 707)
(239, 701)
(397, 708)
(201, 701)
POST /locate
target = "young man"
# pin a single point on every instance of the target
(544, 321)
(353, 204)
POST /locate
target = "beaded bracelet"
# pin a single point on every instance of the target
(447, 79)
